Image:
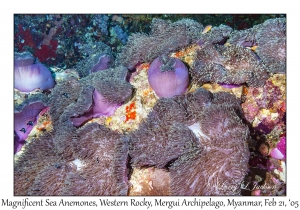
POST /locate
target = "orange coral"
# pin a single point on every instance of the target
(179, 54)
(130, 112)
(147, 92)
(43, 126)
(283, 107)
(143, 66)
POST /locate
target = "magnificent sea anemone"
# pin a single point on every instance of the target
(37, 155)
(26, 115)
(99, 57)
(230, 64)
(168, 76)
(164, 38)
(29, 76)
(223, 157)
(268, 40)
(100, 107)
(272, 44)
(217, 35)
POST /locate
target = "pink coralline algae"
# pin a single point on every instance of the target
(29, 76)
(279, 152)
(168, 76)
(265, 107)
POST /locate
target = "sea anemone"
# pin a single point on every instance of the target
(231, 64)
(100, 107)
(104, 62)
(157, 145)
(110, 92)
(25, 116)
(272, 44)
(37, 155)
(244, 38)
(87, 103)
(273, 55)
(196, 103)
(170, 110)
(213, 172)
(23, 59)
(28, 76)
(269, 39)
(50, 180)
(104, 155)
(271, 29)
(222, 165)
(207, 61)
(230, 126)
(217, 35)
(228, 100)
(94, 63)
(164, 38)
(99, 168)
(150, 181)
(98, 57)
(64, 126)
(168, 76)
(62, 95)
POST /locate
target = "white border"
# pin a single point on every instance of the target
(161, 6)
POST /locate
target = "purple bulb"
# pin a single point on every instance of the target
(229, 85)
(103, 107)
(31, 77)
(25, 121)
(18, 143)
(279, 152)
(281, 146)
(104, 62)
(23, 59)
(168, 76)
(100, 107)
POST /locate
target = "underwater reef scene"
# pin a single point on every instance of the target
(159, 105)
